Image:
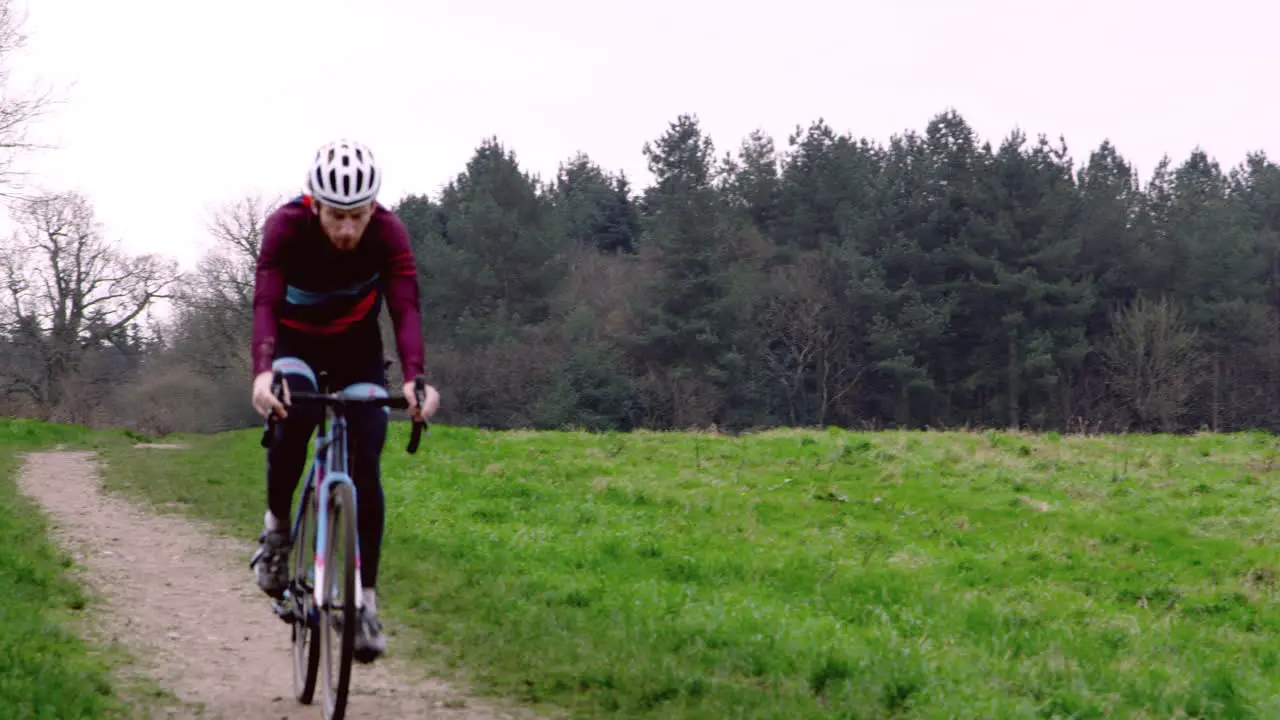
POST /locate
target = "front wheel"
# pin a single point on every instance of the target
(338, 617)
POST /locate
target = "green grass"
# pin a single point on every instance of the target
(46, 670)
(816, 574)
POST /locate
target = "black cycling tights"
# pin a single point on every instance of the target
(366, 434)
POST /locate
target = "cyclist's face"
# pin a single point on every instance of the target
(345, 227)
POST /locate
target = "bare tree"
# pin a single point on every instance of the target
(18, 110)
(215, 309)
(209, 334)
(1151, 359)
(226, 272)
(808, 349)
(68, 289)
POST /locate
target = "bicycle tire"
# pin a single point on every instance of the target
(342, 506)
(306, 646)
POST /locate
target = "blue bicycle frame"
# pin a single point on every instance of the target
(330, 452)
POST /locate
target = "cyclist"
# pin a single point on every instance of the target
(328, 258)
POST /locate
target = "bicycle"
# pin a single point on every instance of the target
(310, 607)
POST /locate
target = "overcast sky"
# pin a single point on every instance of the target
(174, 108)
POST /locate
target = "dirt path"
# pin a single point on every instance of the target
(182, 599)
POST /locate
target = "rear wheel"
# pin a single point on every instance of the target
(306, 646)
(338, 617)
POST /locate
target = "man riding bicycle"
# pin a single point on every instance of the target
(327, 260)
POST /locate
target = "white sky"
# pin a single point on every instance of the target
(174, 108)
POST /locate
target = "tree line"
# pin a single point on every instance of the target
(936, 280)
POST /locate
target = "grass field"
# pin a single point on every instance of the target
(46, 670)
(816, 574)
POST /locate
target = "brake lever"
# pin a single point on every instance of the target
(277, 389)
(419, 426)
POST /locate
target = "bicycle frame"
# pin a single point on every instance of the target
(330, 452)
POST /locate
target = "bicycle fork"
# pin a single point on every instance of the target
(322, 539)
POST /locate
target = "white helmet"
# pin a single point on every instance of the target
(344, 175)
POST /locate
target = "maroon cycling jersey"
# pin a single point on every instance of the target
(306, 286)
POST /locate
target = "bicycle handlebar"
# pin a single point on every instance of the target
(340, 400)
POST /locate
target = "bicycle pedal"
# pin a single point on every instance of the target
(283, 610)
